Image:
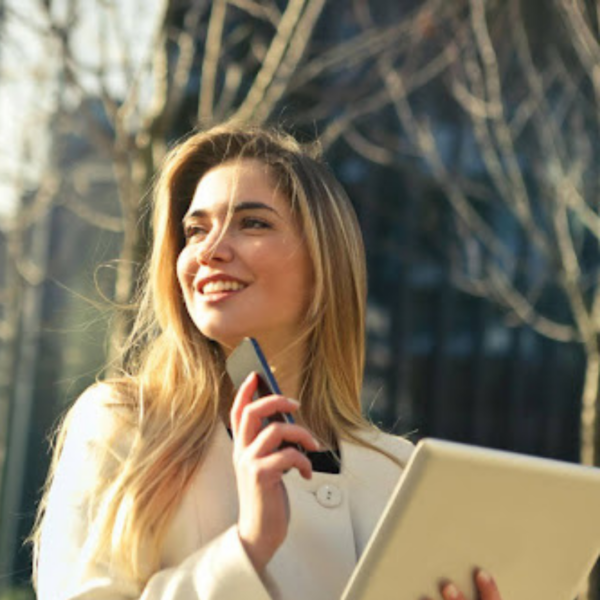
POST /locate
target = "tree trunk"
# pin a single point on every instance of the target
(11, 317)
(134, 186)
(21, 405)
(588, 444)
(589, 408)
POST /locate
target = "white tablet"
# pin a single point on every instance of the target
(533, 523)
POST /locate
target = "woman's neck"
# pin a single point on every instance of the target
(287, 365)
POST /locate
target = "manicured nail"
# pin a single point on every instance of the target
(483, 577)
(317, 444)
(451, 591)
(294, 401)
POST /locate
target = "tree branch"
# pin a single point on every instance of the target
(275, 54)
(212, 53)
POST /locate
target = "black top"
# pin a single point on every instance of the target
(325, 462)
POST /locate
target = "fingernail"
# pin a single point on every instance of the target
(294, 401)
(451, 591)
(317, 444)
(483, 576)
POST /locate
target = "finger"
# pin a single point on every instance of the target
(272, 436)
(242, 399)
(488, 590)
(253, 415)
(451, 592)
(271, 467)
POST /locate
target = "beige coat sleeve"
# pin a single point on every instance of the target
(220, 570)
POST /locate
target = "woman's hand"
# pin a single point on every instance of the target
(259, 467)
(486, 587)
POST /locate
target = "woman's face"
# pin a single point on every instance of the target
(251, 276)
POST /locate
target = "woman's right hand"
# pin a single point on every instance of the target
(260, 466)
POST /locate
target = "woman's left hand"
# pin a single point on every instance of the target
(486, 586)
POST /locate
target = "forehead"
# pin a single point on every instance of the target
(238, 181)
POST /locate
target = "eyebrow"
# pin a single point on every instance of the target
(242, 206)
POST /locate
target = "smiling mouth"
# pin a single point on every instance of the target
(218, 287)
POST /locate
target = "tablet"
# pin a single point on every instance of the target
(533, 523)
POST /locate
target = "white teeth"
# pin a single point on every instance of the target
(212, 287)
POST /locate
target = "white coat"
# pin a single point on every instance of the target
(331, 519)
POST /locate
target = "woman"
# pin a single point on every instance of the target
(162, 487)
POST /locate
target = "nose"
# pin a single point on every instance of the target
(215, 248)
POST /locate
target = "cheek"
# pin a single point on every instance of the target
(185, 270)
(294, 277)
(280, 268)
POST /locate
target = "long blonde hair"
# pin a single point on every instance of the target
(173, 380)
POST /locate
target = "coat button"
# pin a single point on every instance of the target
(329, 495)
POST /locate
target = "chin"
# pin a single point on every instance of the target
(228, 340)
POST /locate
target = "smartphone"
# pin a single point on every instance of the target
(245, 359)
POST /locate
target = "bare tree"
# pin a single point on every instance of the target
(527, 115)
(526, 112)
(32, 188)
(524, 127)
(25, 241)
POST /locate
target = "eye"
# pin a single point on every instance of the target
(254, 223)
(191, 232)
